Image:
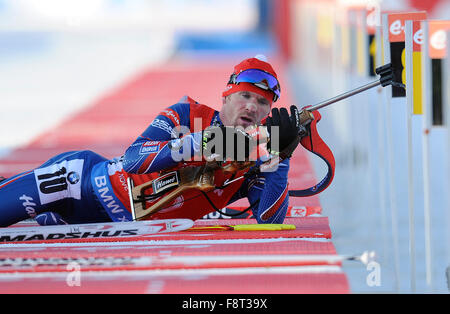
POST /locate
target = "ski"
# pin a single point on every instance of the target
(96, 230)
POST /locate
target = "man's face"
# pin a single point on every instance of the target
(244, 109)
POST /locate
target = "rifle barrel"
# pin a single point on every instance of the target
(344, 95)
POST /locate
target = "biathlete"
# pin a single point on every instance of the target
(84, 187)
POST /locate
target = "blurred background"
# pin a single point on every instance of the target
(56, 56)
(59, 57)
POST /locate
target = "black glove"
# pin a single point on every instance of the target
(288, 130)
(226, 142)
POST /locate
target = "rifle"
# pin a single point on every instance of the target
(170, 184)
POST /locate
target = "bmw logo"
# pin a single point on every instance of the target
(73, 177)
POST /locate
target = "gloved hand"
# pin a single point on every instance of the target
(226, 142)
(288, 130)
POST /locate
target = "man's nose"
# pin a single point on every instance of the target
(251, 105)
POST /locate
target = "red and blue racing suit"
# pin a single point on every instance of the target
(83, 187)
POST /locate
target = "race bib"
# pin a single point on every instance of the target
(59, 181)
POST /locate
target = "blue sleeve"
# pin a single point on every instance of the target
(271, 189)
(164, 143)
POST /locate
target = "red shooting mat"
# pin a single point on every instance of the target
(168, 255)
(310, 281)
(190, 250)
(306, 227)
(173, 248)
(127, 263)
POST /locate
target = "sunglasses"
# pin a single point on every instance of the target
(261, 79)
